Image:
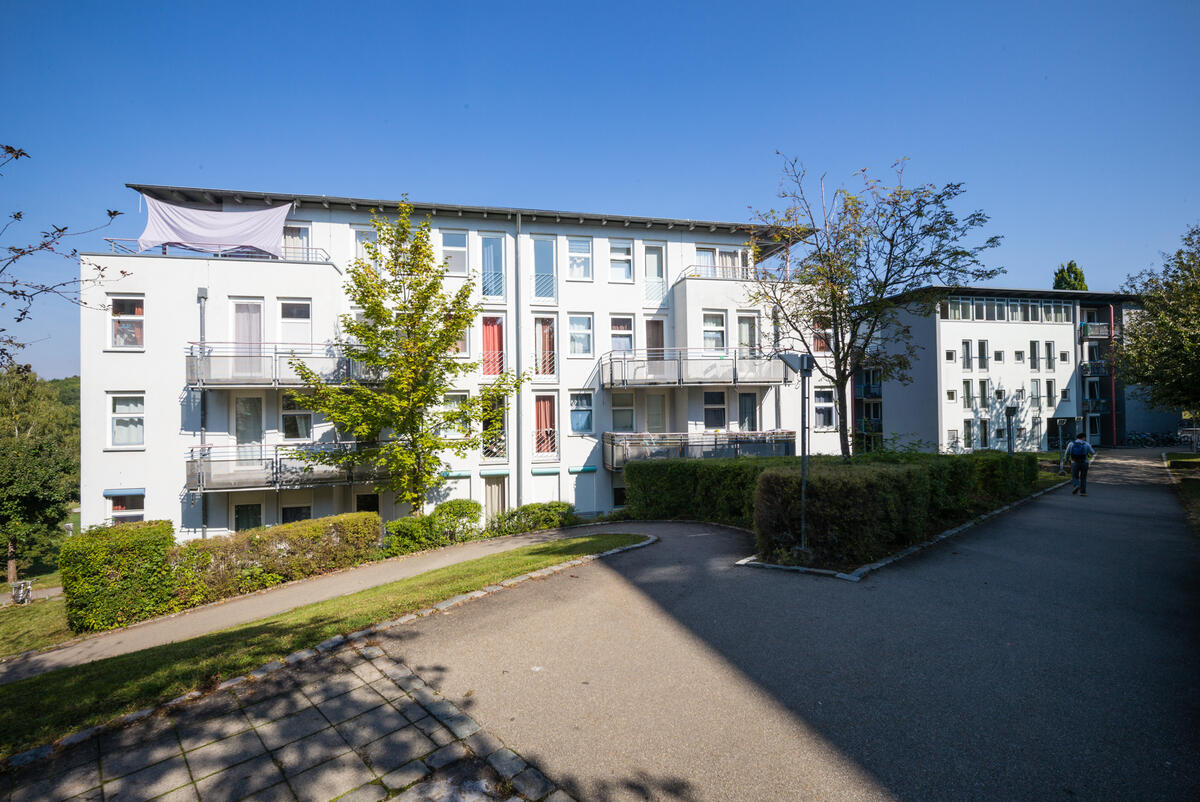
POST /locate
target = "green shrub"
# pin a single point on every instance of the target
(717, 490)
(115, 575)
(531, 518)
(414, 533)
(459, 518)
(220, 567)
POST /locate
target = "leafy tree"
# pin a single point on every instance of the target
(405, 340)
(1160, 345)
(39, 467)
(1069, 277)
(18, 292)
(851, 267)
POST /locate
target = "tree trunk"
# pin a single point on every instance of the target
(12, 559)
(844, 421)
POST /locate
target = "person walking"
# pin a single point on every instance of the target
(1081, 453)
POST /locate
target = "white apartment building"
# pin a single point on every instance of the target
(637, 332)
(1044, 355)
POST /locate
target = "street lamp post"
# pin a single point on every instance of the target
(802, 364)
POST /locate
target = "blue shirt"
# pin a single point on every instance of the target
(1078, 454)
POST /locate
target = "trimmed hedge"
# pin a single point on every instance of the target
(718, 490)
(531, 518)
(458, 519)
(115, 575)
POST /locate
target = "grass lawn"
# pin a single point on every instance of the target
(1047, 479)
(41, 709)
(1186, 467)
(50, 580)
(33, 626)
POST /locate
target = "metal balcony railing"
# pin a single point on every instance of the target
(545, 364)
(726, 272)
(1094, 331)
(867, 390)
(656, 291)
(211, 364)
(621, 447)
(492, 363)
(866, 426)
(493, 283)
(545, 443)
(290, 253)
(1094, 368)
(544, 285)
(495, 447)
(1095, 405)
(257, 466)
(654, 366)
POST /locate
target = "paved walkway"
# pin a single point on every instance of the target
(203, 620)
(1047, 653)
(355, 726)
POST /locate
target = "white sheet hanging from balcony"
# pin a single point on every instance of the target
(218, 232)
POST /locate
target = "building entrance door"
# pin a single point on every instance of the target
(748, 412)
(495, 496)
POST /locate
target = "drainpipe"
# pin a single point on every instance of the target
(519, 439)
(1112, 373)
(202, 298)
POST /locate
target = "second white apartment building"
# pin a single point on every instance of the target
(638, 332)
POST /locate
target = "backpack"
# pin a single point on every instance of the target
(1079, 448)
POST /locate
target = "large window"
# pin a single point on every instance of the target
(292, 514)
(1050, 356)
(545, 433)
(714, 330)
(544, 280)
(983, 355)
(1034, 361)
(454, 252)
(295, 320)
(581, 413)
(297, 420)
(493, 345)
(580, 334)
(1051, 395)
(127, 420)
(622, 412)
(620, 260)
(968, 425)
(362, 237)
(295, 243)
(622, 333)
(1035, 392)
(457, 423)
(544, 351)
(966, 354)
(247, 516)
(492, 248)
(128, 507)
(967, 394)
(128, 322)
(714, 410)
(823, 408)
(579, 263)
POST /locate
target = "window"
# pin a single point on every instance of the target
(822, 334)
(747, 332)
(1065, 394)
(545, 433)
(966, 430)
(1064, 357)
(1049, 356)
(952, 438)
(872, 410)
(457, 423)
(622, 333)
(999, 395)
(1035, 313)
(362, 237)
(295, 321)
(1035, 392)
(462, 346)
(983, 434)
(127, 416)
(128, 322)
(495, 424)
(493, 345)
(951, 355)
(247, 516)
(127, 508)
(998, 428)
(579, 263)
(951, 395)
(297, 420)
(580, 334)
(714, 410)
(983, 354)
(620, 260)
(544, 278)
(544, 350)
(1033, 355)
(366, 502)
(980, 307)
(622, 412)
(998, 356)
(581, 413)
(823, 410)
(295, 243)
(492, 248)
(289, 515)
(1020, 394)
(1050, 394)
(454, 252)
(968, 401)
(966, 354)
(714, 330)
(1019, 357)
(1035, 431)
(983, 392)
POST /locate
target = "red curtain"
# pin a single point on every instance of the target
(546, 441)
(493, 346)
(546, 362)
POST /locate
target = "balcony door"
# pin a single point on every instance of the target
(654, 340)
(748, 412)
(656, 277)
(656, 412)
(248, 339)
(248, 430)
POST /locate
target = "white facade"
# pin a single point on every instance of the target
(637, 333)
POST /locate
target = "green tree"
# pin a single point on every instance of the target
(405, 339)
(853, 266)
(1069, 277)
(39, 466)
(1160, 345)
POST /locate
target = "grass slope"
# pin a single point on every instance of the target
(33, 626)
(41, 709)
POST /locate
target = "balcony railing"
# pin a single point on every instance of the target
(545, 364)
(1094, 368)
(544, 285)
(1094, 331)
(212, 364)
(495, 447)
(621, 447)
(867, 426)
(257, 466)
(726, 272)
(545, 444)
(656, 291)
(1097, 405)
(655, 366)
(868, 390)
(493, 283)
(290, 253)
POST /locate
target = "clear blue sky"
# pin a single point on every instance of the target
(1074, 125)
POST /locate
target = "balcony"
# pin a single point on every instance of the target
(665, 366)
(1093, 331)
(212, 469)
(620, 447)
(868, 390)
(268, 364)
(1097, 405)
(1098, 368)
(724, 272)
(289, 253)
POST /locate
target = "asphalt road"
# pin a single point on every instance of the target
(1050, 653)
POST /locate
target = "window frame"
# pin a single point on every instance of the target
(503, 240)
(294, 412)
(113, 415)
(590, 409)
(613, 246)
(613, 333)
(591, 335)
(465, 248)
(552, 241)
(706, 329)
(614, 407)
(126, 515)
(830, 405)
(572, 255)
(280, 301)
(114, 319)
(708, 406)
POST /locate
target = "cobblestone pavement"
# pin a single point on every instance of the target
(353, 725)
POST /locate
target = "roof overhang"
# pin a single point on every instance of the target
(1083, 296)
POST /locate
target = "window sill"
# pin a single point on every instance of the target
(124, 350)
(582, 435)
(119, 449)
(580, 356)
(621, 281)
(543, 301)
(581, 280)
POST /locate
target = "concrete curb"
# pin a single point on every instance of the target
(357, 640)
(858, 573)
(1170, 473)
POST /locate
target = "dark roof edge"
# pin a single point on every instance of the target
(1012, 292)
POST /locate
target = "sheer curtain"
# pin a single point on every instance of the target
(493, 346)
